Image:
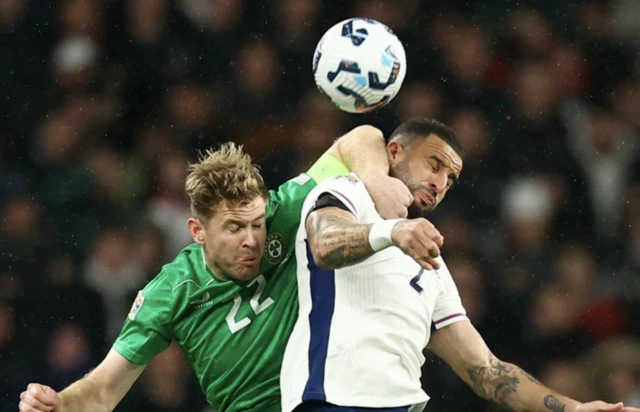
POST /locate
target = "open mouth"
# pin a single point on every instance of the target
(427, 198)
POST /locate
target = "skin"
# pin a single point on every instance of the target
(461, 346)
(233, 239)
(429, 170)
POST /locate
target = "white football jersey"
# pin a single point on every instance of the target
(362, 329)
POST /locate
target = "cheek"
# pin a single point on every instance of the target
(261, 238)
(222, 246)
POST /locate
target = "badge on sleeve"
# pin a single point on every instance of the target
(351, 178)
(137, 304)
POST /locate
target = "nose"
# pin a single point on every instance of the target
(250, 240)
(439, 183)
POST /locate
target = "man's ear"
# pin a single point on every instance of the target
(394, 149)
(197, 230)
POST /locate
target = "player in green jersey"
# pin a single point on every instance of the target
(230, 308)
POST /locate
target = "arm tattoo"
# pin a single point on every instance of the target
(335, 239)
(495, 382)
(498, 380)
(553, 403)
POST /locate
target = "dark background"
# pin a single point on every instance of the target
(102, 103)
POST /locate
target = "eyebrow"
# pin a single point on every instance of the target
(242, 222)
(438, 159)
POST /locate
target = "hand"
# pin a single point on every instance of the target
(40, 398)
(391, 196)
(419, 239)
(599, 406)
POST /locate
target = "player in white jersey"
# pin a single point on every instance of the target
(374, 294)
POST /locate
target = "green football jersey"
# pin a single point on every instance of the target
(234, 333)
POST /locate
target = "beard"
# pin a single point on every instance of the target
(416, 209)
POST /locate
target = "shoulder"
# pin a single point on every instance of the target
(349, 189)
(181, 271)
(295, 188)
(289, 196)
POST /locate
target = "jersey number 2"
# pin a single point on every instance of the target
(257, 307)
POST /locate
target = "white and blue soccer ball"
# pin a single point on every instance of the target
(359, 64)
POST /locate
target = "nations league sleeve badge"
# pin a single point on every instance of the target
(137, 304)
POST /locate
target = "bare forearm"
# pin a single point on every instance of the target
(363, 151)
(336, 244)
(83, 396)
(516, 390)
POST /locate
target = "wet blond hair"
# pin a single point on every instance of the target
(225, 175)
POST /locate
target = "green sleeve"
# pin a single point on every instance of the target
(145, 332)
(327, 166)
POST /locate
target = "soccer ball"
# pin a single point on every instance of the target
(359, 64)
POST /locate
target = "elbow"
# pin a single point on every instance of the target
(369, 131)
(365, 134)
(321, 257)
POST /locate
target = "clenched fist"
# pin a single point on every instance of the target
(391, 196)
(419, 239)
(40, 398)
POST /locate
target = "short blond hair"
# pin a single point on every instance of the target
(224, 175)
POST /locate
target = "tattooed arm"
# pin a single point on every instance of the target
(336, 239)
(462, 347)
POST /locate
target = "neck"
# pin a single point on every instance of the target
(213, 267)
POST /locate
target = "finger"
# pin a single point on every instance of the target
(434, 263)
(24, 407)
(49, 391)
(420, 250)
(433, 233)
(424, 264)
(403, 212)
(36, 404)
(611, 408)
(433, 249)
(429, 260)
(408, 199)
(31, 401)
(37, 393)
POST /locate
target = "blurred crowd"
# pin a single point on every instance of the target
(103, 102)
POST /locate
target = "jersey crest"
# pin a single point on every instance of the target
(275, 248)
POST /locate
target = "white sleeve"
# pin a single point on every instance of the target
(448, 307)
(349, 189)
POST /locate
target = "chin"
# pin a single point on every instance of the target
(245, 273)
(417, 211)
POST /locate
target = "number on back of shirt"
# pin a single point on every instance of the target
(257, 306)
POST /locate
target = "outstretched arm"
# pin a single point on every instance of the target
(99, 391)
(462, 347)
